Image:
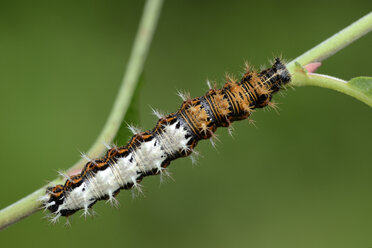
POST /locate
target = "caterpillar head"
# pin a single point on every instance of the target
(282, 72)
(55, 196)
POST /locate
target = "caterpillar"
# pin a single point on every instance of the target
(174, 136)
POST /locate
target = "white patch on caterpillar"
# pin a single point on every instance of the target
(173, 139)
(79, 197)
(102, 183)
(149, 156)
(127, 169)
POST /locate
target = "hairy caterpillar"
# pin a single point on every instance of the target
(149, 153)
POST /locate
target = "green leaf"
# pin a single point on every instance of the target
(363, 85)
(131, 117)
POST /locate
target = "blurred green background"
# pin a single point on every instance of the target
(299, 179)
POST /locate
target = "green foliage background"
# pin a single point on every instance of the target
(300, 179)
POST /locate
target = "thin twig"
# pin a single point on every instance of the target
(335, 43)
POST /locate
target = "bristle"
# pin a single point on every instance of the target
(230, 130)
(84, 156)
(134, 129)
(67, 223)
(183, 95)
(213, 139)
(113, 201)
(64, 175)
(108, 147)
(55, 218)
(209, 84)
(230, 78)
(247, 67)
(157, 113)
(274, 105)
(165, 175)
(86, 212)
(252, 122)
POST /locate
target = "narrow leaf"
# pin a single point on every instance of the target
(363, 85)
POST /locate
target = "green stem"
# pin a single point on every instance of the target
(150, 16)
(335, 43)
(301, 78)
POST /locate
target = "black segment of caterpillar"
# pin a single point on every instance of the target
(148, 153)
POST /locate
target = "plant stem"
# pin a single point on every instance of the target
(335, 43)
(150, 16)
(325, 81)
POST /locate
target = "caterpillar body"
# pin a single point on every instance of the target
(176, 135)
